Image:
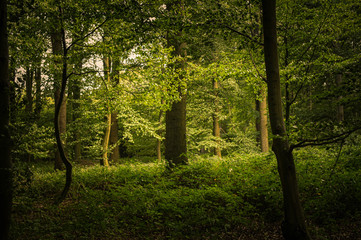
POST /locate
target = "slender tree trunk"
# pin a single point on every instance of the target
(38, 104)
(62, 128)
(29, 75)
(75, 112)
(258, 127)
(104, 161)
(59, 115)
(56, 41)
(159, 132)
(12, 77)
(5, 160)
(293, 227)
(114, 130)
(263, 121)
(29, 90)
(288, 105)
(340, 111)
(216, 127)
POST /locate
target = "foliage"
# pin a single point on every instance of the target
(207, 198)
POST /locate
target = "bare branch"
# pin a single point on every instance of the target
(244, 35)
(324, 141)
(87, 35)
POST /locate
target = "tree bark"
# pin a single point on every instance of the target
(263, 128)
(258, 127)
(114, 130)
(38, 104)
(104, 161)
(175, 144)
(216, 127)
(62, 127)
(175, 151)
(60, 50)
(293, 227)
(12, 77)
(56, 43)
(159, 132)
(29, 90)
(5, 140)
(114, 137)
(75, 112)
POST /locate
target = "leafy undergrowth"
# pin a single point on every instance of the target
(235, 198)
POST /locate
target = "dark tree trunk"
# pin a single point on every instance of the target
(62, 115)
(5, 160)
(12, 76)
(159, 132)
(293, 227)
(114, 137)
(62, 127)
(175, 134)
(216, 127)
(38, 104)
(175, 144)
(104, 161)
(29, 90)
(56, 44)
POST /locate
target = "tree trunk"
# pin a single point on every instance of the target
(114, 137)
(258, 127)
(75, 112)
(12, 78)
(175, 151)
(216, 127)
(175, 144)
(104, 161)
(56, 43)
(38, 104)
(114, 130)
(29, 90)
(159, 132)
(5, 140)
(293, 227)
(263, 121)
(62, 128)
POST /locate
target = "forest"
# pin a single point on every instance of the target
(180, 119)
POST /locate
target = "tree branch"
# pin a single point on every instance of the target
(87, 35)
(324, 141)
(244, 35)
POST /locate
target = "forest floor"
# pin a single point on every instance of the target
(208, 199)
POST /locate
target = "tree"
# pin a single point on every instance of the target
(175, 118)
(5, 160)
(57, 49)
(262, 123)
(216, 126)
(294, 226)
